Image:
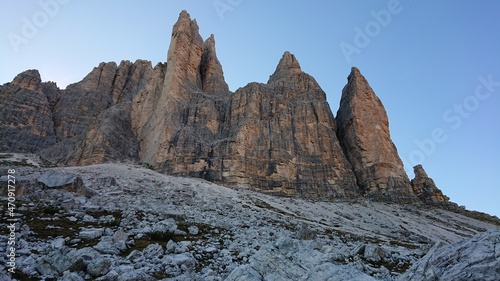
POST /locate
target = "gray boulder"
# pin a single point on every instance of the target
(477, 258)
(68, 182)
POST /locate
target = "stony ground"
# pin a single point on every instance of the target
(128, 222)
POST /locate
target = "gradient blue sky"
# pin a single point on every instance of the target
(425, 63)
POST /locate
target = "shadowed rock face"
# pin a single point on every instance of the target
(26, 113)
(180, 118)
(363, 131)
(92, 119)
(425, 188)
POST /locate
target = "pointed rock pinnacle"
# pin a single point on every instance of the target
(363, 131)
(287, 67)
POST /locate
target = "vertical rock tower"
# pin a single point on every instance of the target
(363, 131)
(177, 127)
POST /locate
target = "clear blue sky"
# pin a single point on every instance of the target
(424, 59)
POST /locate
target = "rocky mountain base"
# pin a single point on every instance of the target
(127, 222)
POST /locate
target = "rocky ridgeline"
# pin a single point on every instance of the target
(180, 118)
(116, 222)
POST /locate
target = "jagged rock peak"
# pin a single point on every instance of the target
(359, 85)
(29, 79)
(185, 52)
(425, 188)
(363, 131)
(355, 71)
(185, 35)
(420, 172)
(287, 66)
(210, 43)
(212, 75)
(184, 22)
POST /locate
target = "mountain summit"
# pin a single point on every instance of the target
(180, 118)
(287, 66)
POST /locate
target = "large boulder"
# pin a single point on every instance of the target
(476, 258)
(68, 182)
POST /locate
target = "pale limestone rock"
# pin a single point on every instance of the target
(476, 258)
(91, 233)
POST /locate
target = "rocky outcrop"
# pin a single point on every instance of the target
(282, 138)
(26, 113)
(425, 188)
(66, 182)
(477, 258)
(363, 131)
(288, 259)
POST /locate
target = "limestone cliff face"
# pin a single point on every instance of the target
(283, 138)
(363, 131)
(92, 118)
(180, 118)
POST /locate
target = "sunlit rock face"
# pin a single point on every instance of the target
(363, 131)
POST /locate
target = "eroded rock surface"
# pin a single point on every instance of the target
(363, 131)
(159, 226)
(425, 188)
(476, 258)
(26, 113)
(179, 126)
(283, 138)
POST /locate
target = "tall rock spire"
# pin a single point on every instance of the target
(278, 137)
(363, 131)
(184, 53)
(212, 75)
(184, 120)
